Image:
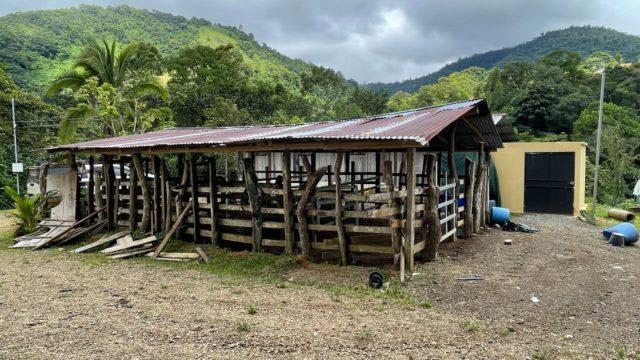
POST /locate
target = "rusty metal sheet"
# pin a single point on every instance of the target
(418, 125)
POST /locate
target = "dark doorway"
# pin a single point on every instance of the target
(548, 182)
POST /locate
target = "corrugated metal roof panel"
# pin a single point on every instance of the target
(418, 125)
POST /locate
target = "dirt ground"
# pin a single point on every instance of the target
(58, 305)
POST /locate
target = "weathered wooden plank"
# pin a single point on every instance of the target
(245, 208)
(394, 206)
(103, 241)
(136, 243)
(452, 166)
(173, 229)
(130, 254)
(177, 255)
(477, 190)
(201, 254)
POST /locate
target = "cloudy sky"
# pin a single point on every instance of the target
(374, 40)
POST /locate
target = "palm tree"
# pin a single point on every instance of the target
(102, 61)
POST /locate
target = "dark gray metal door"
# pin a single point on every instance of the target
(549, 182)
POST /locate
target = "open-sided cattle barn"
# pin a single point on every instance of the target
(374, 185)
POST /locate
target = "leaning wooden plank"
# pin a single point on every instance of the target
(133, 244)
(76, 224)
(173, 229)
(83, 231)
(176, 255)
(104, 240)
(202, 255)
(130, 254)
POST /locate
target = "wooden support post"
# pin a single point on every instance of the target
(469, 180)
(90, 186)
(109, 179)
(394, 206)
(301, 212)
(255, 203)
(133, 198)
(454, 175)
(167, 198)
(146, 198)
(287, 200)
(162, 175)
(410, 208)
(377, 170)
(431, 217)
(98, 195)
(213, 201)
(342, 239)
(478, 186)
(195, 205)
(42, 183)
(157, 216)
(487, 210)
(183, 184)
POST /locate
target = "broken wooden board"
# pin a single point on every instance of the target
(131, 254)
(133, 244)
(202, 255)
(176, 255)
(50, 229)
(77, 232)
(102, 241)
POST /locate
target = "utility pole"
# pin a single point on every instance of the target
(15, 143)
(598, 135)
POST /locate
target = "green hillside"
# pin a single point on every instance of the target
(38, 46)
(582, 39)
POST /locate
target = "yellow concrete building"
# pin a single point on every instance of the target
(546, 177)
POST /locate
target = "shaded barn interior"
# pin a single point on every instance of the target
(330, 190)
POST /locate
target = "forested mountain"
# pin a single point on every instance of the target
(38, 46)
(581, 39)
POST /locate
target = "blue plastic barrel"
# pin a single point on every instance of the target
(499, 215)
(627, 229)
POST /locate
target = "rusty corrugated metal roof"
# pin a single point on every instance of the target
(418, 125)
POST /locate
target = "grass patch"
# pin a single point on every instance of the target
(252, 309)
(243, 326)
(471, 326)
(365, 335)
(541, 354)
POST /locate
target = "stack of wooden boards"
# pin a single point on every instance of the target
(59, 232)
(122, 245)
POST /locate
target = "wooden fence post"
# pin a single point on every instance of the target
(195, 205)
(478, 187)
(410, 208)
(157, 218)
(394, 205)
(287, 200)
(109, 179)
(454, 174)
(133, 198)
(342, 239)
(255, 204)
(301, 211)
(431, 218)
(146, 198)
(213, 200)
(469, 180)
